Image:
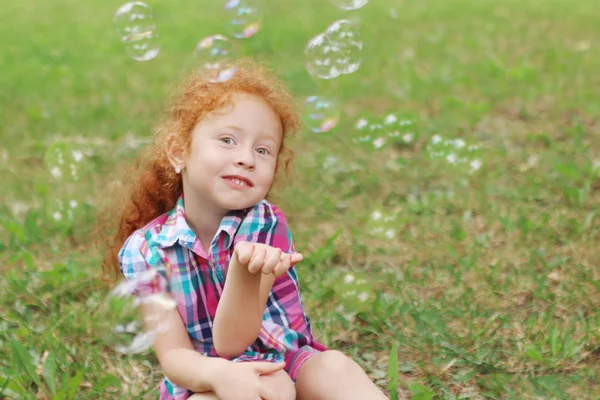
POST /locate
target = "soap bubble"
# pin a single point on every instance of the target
(370, 133)
(346, 37)
(382, 223)
(349, 4)
(321, 114)
(321, 57)
(135, 24)
(243, 18)
(456, 152)
(121, 322)
(63, 211)
(400, 129)
(334, 52)
(67, 162)
(355, 292)
(212, 52)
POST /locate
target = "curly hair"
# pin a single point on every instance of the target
(154, 187)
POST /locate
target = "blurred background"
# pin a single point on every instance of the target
(446, 191)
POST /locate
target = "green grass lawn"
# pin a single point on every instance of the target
(482, 285)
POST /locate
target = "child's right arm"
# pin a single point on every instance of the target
(183, 365)
(189, 369)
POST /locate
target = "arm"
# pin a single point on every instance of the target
(178, 358)
(239, 313)
(180, 362)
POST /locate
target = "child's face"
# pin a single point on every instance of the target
(242, 140)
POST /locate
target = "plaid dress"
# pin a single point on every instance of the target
(196, 280)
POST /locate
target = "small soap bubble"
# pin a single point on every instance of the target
(122, 324)
(243, 18)
(354, 291)
(136, 27)
(67, 162)
(349, 4)
(400, 129)
(370, 132)
(456, 152)
(382, 224)
(213, 52)
(321, 114)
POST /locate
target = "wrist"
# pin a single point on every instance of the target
(218, 371)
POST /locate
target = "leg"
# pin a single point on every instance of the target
(279, 382)
(331, 375)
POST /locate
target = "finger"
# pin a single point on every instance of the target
(257, 261)
(264, 368)
(271, 261)
(296, 258)
(283, 267)
(244, 252)
(267, 394)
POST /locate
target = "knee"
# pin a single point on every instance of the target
(333, 361)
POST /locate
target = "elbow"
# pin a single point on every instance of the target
(231, 344)
(229, 349)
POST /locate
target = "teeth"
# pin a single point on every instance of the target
(239, 182)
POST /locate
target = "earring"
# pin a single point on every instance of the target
(177, 169)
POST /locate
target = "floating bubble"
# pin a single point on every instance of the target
(321, 114)
(456, 152)
(63, 211)
(66, 162)
(355, 291)
(121, 322)
(335, 52)
(382, 223)
(212, 52)
(135, 24)
(346, 37)
(243, 18)
(321, 57)
(399, 129)
(349, 4)
(370, 133)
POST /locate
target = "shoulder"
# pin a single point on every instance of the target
(138, 244)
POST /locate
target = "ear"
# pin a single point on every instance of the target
(175, 153)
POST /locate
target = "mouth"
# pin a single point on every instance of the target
(239, 180)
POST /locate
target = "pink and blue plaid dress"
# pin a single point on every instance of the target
(196, 280)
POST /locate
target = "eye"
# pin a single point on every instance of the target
(226, 140)
(265, 151)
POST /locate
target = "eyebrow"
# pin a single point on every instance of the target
(265, 136)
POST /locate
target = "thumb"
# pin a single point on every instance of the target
(264, 368)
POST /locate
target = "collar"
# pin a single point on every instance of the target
(176, 229)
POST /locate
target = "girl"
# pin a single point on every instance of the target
(199, 209)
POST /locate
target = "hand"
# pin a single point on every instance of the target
(240, 381)
(265, 258)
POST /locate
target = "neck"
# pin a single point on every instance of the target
(203, 221)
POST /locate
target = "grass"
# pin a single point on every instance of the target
(488, 285)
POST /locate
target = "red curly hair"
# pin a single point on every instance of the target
(154, 187)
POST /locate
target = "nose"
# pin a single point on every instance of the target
(245, 158)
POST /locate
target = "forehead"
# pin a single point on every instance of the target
(251, 111)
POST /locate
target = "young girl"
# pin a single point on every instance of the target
(199, 209)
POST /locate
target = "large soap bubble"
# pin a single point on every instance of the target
(122, 324)
(135, 24)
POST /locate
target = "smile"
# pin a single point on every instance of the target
(236, 183)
